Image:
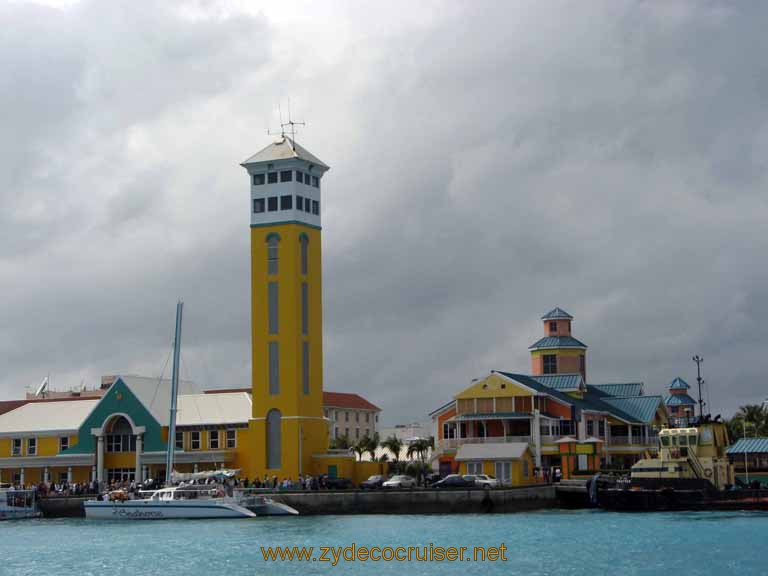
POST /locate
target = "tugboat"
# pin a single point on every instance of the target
(691, 472)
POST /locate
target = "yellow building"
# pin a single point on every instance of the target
(287, 426)
(567, 423)
(276, 428)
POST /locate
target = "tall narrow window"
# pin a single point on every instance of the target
(213, 440)
(179, 442)
(549, 363)
(273, 241)
(274, 368)
(304, 241)
(274, 448)
(272, 306)
(31, 446)
(305, 366)
(63, 443)
(304, 308)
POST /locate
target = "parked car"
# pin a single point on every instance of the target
(374, 482)
(338, 483)
(486, 481)
(455, 481)
(400, 481)
(430, 479)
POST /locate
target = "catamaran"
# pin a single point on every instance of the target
(184, 501)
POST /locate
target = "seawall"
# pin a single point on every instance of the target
(421, 501)
(416, 501)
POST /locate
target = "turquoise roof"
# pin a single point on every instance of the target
(632, 409)
(624, 389)
(678, 384)
(557, 314)
(642, 408)
(679, 400)
(561, 381)
(751, 445)
(557, 342)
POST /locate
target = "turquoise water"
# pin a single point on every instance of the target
(544, 543)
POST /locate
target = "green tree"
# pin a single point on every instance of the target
(359, 448)
(372, 444)
(341, 443)
(421, 449)
(752, 418)
(394, 445)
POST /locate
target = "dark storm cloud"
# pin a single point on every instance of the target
(489, 162)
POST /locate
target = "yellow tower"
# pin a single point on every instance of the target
(287, 425)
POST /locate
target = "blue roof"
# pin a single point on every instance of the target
(679, 400)
(592, 400)
(561, 381)
(557, 314)
(641, 408)
(623, 389)
(678, 384)
(751, 445)
(557, 342)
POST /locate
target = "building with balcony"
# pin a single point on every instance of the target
(565, 421)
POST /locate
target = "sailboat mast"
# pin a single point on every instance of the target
(174, 394)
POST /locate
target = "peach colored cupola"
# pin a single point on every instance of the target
(558, 352)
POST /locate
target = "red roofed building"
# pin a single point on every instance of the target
(350, 414)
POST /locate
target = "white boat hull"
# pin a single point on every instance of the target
(164, 510)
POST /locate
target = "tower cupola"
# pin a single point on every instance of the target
(558, 352)
(285, 184)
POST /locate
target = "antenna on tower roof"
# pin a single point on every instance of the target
(287, 128)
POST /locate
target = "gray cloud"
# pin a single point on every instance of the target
(489, 161)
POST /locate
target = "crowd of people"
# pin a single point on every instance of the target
(66, 488)
(303, 482)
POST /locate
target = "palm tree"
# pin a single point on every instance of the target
(754, 414)
(341, 443)
(359, 448)
(372, 444)
(394, 445)
(421, 448)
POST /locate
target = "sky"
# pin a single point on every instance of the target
(489, 161)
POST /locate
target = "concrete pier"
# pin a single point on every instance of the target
(417, 501)
(420, 501)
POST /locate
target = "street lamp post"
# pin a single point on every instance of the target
(746, 462)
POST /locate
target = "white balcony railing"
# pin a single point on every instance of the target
(456, 442)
